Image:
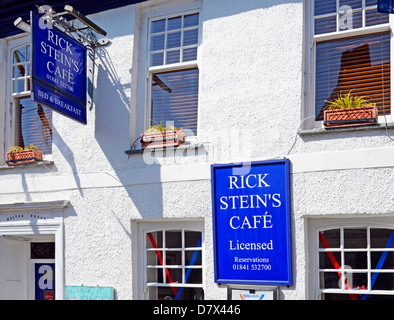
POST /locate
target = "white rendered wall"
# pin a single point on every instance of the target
(251, 60)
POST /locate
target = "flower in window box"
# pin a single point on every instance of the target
(348, 111)
(160, 136)
(18, 155)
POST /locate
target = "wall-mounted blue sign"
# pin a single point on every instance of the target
(89, 293)
(58, 70)
(251, 222)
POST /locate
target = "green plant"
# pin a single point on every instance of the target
(15, 149)
(347, 101)
(159, 127)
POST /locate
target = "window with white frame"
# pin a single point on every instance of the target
(355, 263)
(173, 71)
(173, 268)
(350, 53)
(31, 122)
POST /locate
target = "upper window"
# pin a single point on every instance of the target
(31, 122)
(173, 72)
(356, 263)
(351, 53)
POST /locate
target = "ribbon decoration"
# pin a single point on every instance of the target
(152, 240)
(189, 270)
(177, 292)
(335, 263)
(380, 263)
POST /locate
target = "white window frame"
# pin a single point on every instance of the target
(312, 40)
(148, 227)
(12, 98)
(164, 9)
(317, 225)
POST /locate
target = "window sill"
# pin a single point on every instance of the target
(184, 146)
(315, 131)
(34, 164)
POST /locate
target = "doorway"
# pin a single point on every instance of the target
(27, 267)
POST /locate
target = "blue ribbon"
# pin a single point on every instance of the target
(189, 270)
(380, 263)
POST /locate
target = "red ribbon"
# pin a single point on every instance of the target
(335, 263)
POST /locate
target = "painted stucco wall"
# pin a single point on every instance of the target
(251, 62)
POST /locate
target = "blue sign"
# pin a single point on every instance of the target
(58, 70)
(44, 281)
(251, 222)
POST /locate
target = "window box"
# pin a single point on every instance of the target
(24, 157)
(171, 138)
(363, 116)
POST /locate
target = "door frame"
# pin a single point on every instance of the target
(53, 228)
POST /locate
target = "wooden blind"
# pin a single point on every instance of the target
(357, 64)
(175, 99)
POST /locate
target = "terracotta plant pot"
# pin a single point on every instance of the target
(24, 157)
(338, 118)
(162, 139)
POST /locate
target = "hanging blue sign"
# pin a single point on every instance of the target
(58, 70)
(251, 222)
(386, 6)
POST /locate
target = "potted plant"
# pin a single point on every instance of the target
(349, 110)
(18, 155)
(161, 136)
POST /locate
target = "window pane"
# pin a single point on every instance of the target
(325, 6)
(174, 40)
(355, 238)
(173, 56)
(350, 21)
(382, 260)
(34, 125)
(380, 237)
(157, 42)
(358, 64)
(384, 281)
(325, 260)
(42, 250)
(174, 23)
(175, 274)
(190, 20)
(189, 54)
(157, 59)
(373, 17)
(329, 280)
(19, 71)
(165, 293)
(192, 239)
(173, 239)
(175, 99)
(326, 25)
(190, 37)
(197, 258)
(332, 238)
(158, 26)
(18, 85)
(354, 4)
(154, 239)
(173, 258)
(19, 55)
(356, 260)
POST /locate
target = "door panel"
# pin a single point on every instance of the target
(14, 263)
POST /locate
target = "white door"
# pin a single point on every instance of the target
(13, 273)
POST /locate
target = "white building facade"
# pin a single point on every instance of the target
(257, 73)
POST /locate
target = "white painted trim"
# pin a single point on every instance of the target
(24, 206)
(53, 228)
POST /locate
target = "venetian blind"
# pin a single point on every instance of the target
(175, 99)
(357, 64)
